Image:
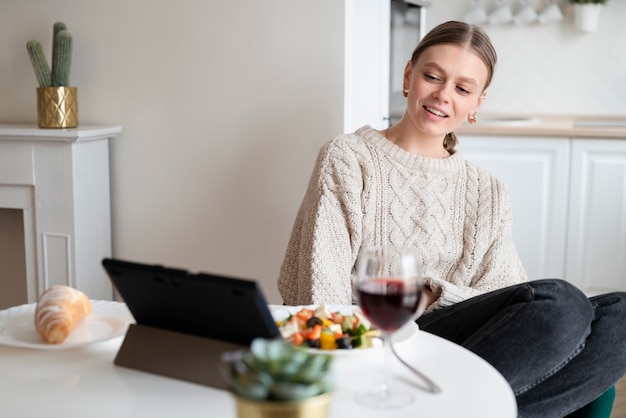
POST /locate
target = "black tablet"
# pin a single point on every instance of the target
(206, 305)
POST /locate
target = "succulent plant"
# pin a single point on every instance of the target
(276, 370)
(61, 58)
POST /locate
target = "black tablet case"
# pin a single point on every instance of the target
(185, 321)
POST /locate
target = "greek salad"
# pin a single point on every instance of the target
(321, 328)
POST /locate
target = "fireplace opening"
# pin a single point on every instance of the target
(13, 289)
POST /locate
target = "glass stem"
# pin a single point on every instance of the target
(386, 388)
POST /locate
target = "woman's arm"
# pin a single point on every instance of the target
(326, 235)
(496, 266)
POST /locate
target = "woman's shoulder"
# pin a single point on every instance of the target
(351, 140)
(342, 160)
(482, 174)
(348, 146)
(488, 189)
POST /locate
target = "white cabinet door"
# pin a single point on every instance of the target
(596, 250)
(536, 173)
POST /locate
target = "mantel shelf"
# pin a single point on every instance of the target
(31, 132)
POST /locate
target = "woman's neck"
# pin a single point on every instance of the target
(413, 143)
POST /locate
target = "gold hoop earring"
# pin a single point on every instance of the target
(471, 118)
(405, 92)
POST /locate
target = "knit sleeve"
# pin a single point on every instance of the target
(496, 261)
(327, 232)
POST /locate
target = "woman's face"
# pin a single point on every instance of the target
(445, 85)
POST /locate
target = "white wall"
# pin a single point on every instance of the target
(224, 105)
(553, 68)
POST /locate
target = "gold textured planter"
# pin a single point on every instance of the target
(315, 407)
(57, 107)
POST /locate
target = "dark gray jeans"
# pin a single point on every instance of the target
(558, 349)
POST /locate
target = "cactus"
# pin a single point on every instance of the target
(276, 370)
(40, 65)
(61, 58)
(56, 28)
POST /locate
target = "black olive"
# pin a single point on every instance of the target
(312, 321)
(313, 343)
(344, 343)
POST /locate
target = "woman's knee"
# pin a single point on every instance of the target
(563, 306)
(561, 291)
(610, 308)
(614, 301)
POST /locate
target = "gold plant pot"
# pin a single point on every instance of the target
(57, 107)
(315, 407)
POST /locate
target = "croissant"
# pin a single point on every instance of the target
(59, 310)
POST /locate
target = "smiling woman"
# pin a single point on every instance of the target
(406, 186)
(445, 85)
(467, 78)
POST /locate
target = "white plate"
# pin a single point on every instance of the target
(280, 312)
(107, 320)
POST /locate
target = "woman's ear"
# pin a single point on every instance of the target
(481, 99)
(408, 70)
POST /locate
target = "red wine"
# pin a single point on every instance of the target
(389, 303)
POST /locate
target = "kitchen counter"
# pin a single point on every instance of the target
(580, 126)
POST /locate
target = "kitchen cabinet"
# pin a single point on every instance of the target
(596, 253)
(535, 171)
(569, 204)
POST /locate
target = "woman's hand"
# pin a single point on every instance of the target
(428, 297)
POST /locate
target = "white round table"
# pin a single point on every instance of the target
(84, 382)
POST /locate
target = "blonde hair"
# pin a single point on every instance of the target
(463, 35)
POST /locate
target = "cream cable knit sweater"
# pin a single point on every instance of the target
(365, 190)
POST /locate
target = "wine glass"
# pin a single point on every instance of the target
(389, 288)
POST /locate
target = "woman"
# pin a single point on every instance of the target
(406, 186)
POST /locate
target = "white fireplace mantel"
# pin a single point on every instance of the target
(59, 179)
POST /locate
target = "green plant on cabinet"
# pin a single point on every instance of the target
(59, 75)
